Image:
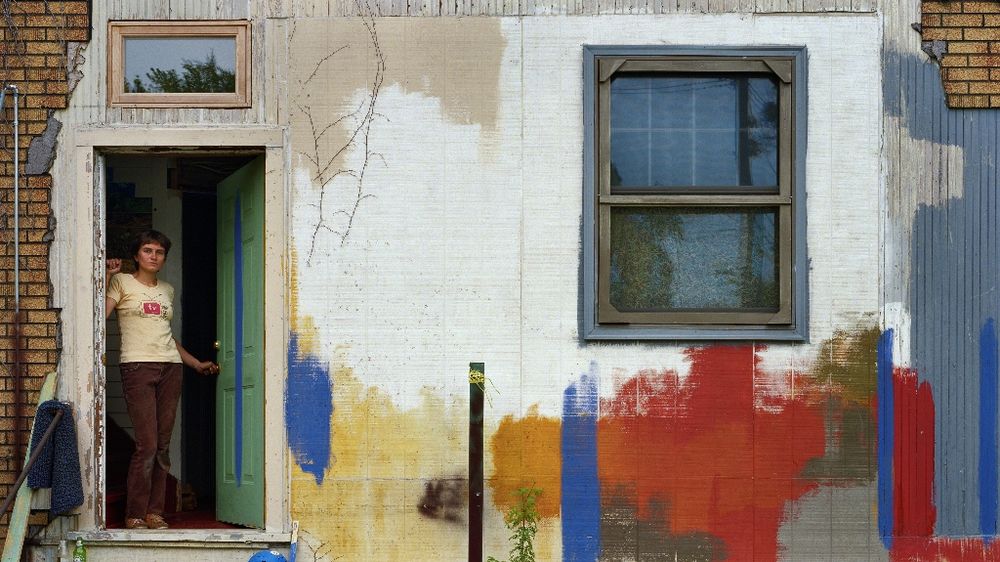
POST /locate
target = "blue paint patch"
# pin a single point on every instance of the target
(581, 490)
(238, 329)
(988, 429)
(885, 437)
(308, 407)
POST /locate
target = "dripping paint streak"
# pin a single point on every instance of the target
(885, 445)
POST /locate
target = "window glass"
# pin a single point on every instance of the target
(180, 64)
(680, 130)
(666, 259)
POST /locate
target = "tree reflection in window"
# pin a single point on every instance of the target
(196, 77)
(702, 258)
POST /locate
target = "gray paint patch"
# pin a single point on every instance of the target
(626, 537)
(953, 279)
(42, 150)
(833, 522)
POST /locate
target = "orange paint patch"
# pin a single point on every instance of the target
(526, 452)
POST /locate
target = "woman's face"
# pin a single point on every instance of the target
(151, 257)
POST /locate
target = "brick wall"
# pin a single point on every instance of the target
(965, 38)
(34, 42)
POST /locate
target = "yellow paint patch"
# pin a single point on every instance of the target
(526, 452)
(368, 507)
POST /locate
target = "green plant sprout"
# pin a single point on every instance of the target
(522, 520)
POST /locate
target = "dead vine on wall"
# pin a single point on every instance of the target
(328, 160)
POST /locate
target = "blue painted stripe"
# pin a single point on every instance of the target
(988, 429)
(308, 408)
(581, 491)
(885, 437)
(238, 329)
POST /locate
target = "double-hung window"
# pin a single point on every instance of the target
(694, 224)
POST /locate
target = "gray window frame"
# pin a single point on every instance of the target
(601, 321)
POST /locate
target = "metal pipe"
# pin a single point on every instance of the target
(18, 444)
(17, 205)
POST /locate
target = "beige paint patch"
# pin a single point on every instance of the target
(383, 456)
(457, 61)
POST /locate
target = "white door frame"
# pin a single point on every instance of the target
(81, 366)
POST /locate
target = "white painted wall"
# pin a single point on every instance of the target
(470, 248)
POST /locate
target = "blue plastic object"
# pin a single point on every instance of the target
(267, 556)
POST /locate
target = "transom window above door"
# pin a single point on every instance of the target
(695, 189)
(179, 64)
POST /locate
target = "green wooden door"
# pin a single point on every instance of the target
(239, 401)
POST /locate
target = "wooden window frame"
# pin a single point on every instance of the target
(119, 31)
(601, 319)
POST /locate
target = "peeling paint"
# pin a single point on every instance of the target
(42, 150)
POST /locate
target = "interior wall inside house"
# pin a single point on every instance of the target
(138, 198)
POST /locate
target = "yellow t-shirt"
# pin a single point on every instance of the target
(144, 315)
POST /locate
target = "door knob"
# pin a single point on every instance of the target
(217, 345)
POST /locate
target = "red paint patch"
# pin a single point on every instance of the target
(921, 549)
(913, 482)
(702, 449)
(913, 456)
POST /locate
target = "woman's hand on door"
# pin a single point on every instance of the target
(206, 368)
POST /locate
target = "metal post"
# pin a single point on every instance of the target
(477, 383)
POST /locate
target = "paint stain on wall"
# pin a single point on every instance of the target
(455, 60)
(371, 505)
(525, 453)
(848, 360)
(907, 431)
(913, 456)
(698, 462)
(846, 368)
(308, 408)
(581, 489)
(445, 499)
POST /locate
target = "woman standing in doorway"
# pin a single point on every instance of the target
(151, 372)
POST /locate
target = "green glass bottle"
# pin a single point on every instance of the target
(80, 552)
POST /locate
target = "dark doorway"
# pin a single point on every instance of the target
(173, 193)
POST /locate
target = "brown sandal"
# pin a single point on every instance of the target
(156, 521)
(135, 523)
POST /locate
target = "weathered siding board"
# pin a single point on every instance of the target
(432, 8)
(89, 102)
(940, 279)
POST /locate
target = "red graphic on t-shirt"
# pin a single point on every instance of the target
(151, 307)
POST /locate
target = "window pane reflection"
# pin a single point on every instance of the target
(675, 259)
(694, 130)
(180, 64)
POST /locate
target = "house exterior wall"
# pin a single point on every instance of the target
(460, 242)
(434, 192)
